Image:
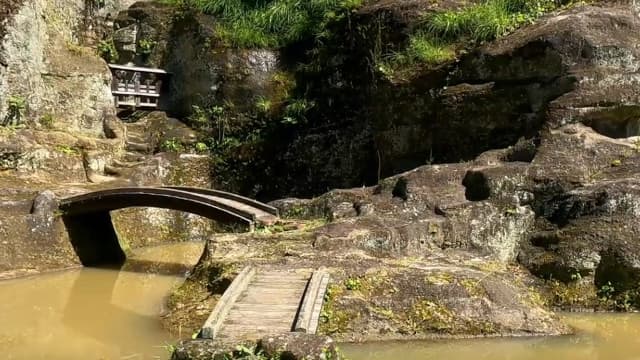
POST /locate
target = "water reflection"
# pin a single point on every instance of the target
(85, 314)
(92, 313)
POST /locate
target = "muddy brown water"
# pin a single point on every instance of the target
(94, 313)
(599, 337)
(115, 315)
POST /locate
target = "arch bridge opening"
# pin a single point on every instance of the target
(88, 220)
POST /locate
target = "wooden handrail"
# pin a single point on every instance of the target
(128, 89)
(137, 69)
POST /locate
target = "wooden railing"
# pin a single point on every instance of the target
(136, 87)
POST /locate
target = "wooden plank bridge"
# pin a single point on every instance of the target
(136, 87)
(263, 302)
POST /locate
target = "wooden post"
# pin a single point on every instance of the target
(158, 85)
(136, 88)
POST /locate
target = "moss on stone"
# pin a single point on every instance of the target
(439, 278)
(428, 316)
(473, 286)
(334, 318)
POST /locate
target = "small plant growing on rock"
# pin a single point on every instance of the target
(606, 291)
(47, 121)
(172, 145)
(107, 51)
(146, 46)
(201, 147)
(353, 284)
(263, 105)
(67, 149)
(296, 111)
(16, 110)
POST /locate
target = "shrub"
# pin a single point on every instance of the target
(353, 284)
(107, 50)
(146, 46)
(47, 121)
(17, 106)
(295, 112)
(201, 147)
(172, 145)
(263, 105)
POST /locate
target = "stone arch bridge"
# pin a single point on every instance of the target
(88, 220)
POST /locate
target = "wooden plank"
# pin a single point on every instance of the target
(264, 307)
(312, 302)
(224, 305)
(134, 93)
(136, 68)
(136, 89)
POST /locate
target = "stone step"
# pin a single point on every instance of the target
(139, 126)
(133, 157)
(114, 170)
(135, 138)
(127, 164)
(133, 146)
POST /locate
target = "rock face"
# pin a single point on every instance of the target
(32, 236)
(297, 346)
(46, 78)
(204, 72)
(363, 125)
(579, 65)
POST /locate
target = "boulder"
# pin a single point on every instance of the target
(54, 80)
(299, 346)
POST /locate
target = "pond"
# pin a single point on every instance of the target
(94, 313)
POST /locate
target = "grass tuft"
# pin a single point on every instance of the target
(441, 33)
(270, 23)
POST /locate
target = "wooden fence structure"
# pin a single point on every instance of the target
(136, 87)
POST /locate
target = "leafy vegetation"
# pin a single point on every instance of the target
(145, 46)
(201, 147)
(353, 284)
(271, 23)
(172, 145)
(107, 50)
(441, 34)
(17, 106)
(263, 105)
(67, 150)
(47, 121)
